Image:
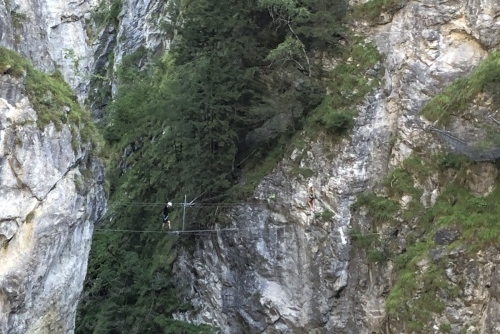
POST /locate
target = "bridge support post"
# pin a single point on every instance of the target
(184, 213)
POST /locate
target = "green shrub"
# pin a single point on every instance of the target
(381, 208)
(399, 182)
(107, 12)
(348, 86)
(445, 328)
(12, 63)
(451, 160)
(338, 123)
(420, 168)
(371, 10)
(362, 240)
(30, 217)
(377, 256)
(18, 19)
(326, 215)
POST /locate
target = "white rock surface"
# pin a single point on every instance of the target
(141, 22)
(50, 33)
(303, 279)
(47, 212)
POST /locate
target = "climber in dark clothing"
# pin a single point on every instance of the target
(166, 212)
(311, 195)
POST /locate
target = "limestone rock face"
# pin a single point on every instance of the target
(51, 194)
(481, 178)
(51, 189)
(61, 35)
(288, 268)
(284, 271)
(140, 24)
(50, 33)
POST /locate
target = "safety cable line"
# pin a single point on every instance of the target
(197, 232)
(162, 232)
(192, 202)
(176, 203)
(230, 229)
(224, 175)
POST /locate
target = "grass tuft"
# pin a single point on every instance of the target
(372, 10)
(51, 97)
(456, 98)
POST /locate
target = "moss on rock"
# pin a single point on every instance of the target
(51, 97)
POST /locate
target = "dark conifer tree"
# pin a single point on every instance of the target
(216, 47)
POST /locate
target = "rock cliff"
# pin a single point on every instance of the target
(51, 184)
(52, 193)
(52, 35)
(285, 271)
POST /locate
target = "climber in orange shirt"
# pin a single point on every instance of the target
(311, 196)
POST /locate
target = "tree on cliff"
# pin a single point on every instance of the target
(218, 85)
(177, 126)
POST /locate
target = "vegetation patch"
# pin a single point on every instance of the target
(421, 287)
(259, 165)
(51, 97)
(456, 98)
(400, 185)
(12, 64)
(108, 12)
(445, 328)
(18, 19)
(375, 245)
(326, 215)
(356, 74)
(335, 122)
(474, 216)
(30, 217)
(419, 292)
(382, 209)
(372, 10)
(452, 161)
(376, 255)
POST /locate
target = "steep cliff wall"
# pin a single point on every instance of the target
(140, 25)
(118, 29)
(52, 35)
(285, 271)
(51, 187)
(48, 211)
